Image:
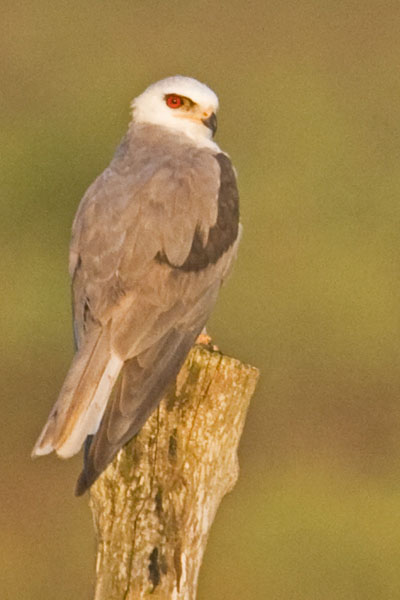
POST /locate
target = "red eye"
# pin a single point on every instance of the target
(174, 101)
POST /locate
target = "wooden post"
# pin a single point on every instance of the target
(154, 505)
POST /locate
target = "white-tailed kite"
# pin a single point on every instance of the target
(153, 239)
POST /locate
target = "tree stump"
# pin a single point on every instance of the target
(154, 505)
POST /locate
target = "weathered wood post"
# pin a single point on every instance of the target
(154, 505)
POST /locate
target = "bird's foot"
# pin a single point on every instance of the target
(205, 340)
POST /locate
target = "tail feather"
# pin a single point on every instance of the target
(144, 380)
(83, 398)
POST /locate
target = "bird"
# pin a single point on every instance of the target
(153, 239)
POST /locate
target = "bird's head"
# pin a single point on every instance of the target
(179, 103)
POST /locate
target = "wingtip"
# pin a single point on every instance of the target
(85, 482)
(81, 485)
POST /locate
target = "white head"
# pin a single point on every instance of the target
(179, 103)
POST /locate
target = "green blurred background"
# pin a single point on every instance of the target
(310, 113)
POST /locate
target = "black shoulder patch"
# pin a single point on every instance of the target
(225, 231)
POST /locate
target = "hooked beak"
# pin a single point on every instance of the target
(211, 123)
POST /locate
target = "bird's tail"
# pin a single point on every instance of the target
(83, 398)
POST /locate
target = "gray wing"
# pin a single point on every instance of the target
(148, 257)
(143, 382)
(145, 205)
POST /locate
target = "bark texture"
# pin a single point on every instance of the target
(154, 505)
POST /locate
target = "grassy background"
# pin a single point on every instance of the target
(310, 114)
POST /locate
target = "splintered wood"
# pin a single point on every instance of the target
(154, 505)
